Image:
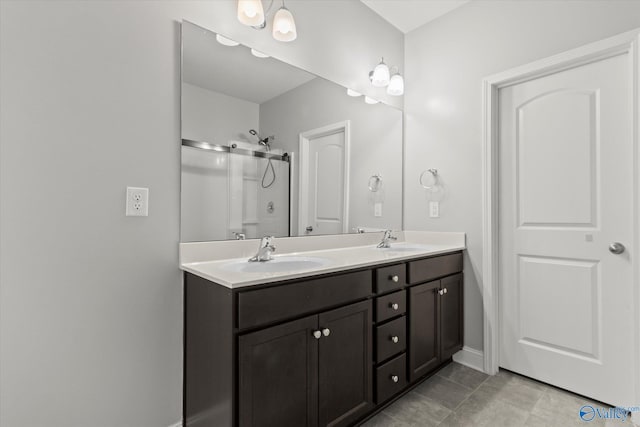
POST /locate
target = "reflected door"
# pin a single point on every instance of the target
(566, 171)
(323, 181)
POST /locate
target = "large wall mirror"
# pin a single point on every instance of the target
(270, 149)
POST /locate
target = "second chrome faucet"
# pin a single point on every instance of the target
(265, 250)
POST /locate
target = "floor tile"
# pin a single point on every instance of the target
(443, 391)
(480, 411)
(383, 420)
(416, 410)
(463, 375)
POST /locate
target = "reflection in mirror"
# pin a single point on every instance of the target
(270, 149)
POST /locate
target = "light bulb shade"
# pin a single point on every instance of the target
(396, 85)
(352, 92)
(284, 27)
(250, 12)
(380, 75)
(226, 41)
(370, 100)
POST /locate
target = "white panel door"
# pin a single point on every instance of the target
(566, 170)
(326, 184)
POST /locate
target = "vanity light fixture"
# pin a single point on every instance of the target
(284, 26)
(380, 75)
(251, 13)
(396, 85)
(259, 54)
(226, 41)
(370, 100)
(353, 93)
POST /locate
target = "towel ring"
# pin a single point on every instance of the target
(375, 182)
(433, 172)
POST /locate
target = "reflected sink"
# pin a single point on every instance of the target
(279, 264)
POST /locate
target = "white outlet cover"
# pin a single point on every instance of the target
(137, 201)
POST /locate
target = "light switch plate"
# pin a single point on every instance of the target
(137, 201)
(434, 209)
(377, 209)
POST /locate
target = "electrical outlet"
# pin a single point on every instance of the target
(434, 209)
(137, 201)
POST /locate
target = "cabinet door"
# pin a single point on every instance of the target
(451, 315)
(424, 325)
(278, 376)
(345, 364)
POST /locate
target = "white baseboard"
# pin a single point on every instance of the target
(470, 357)
(178, 424)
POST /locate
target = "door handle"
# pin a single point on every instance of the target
(616, 248)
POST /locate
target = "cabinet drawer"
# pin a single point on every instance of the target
(391, 278)
(286, 301)
(391, 339)
(391, 378)
(391, 305)
(432, 268)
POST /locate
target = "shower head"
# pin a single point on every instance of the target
(262, 141)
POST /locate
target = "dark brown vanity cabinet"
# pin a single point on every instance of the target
(320, 351)
(435, 313)
(309, 372)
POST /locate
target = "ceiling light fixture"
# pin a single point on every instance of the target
(251, 13)
(381, 76)
(352, 92)
(226, 41)
(370, 100)
(259, 54)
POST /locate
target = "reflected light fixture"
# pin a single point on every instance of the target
(396, 85)
(250, 12)
(370, 100)
(284, 26)
(352, 92)
(226, 41)
(380, 75)
(259, 54)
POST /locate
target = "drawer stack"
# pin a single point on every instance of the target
(390, 331)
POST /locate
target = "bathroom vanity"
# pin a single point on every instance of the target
(327, 347)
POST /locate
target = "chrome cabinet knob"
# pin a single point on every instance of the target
(394, 278)
(394, 306)
(395, 339)
(616, 248)
(441, 292)
(395, 378)
(317, 334)
(326, 332)
(445, 290)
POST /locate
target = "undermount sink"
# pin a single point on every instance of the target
(278, 264)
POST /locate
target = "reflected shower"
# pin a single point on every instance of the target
(267, 144)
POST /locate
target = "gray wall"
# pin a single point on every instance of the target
(90, 300)
(376, 144)
(446, 61)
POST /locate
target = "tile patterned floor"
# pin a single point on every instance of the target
(458, 396)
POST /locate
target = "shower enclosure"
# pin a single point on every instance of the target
(224, 188)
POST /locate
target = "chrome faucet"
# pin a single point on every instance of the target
(264, 251)
(385, 239)
(239, 236)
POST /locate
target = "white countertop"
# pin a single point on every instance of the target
(211, 260)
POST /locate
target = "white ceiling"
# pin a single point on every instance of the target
(234, 71)
(407, 15)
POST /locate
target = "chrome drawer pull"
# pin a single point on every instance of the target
(317, 334)
(394, 278)
(395, 339)
(395, 378)
(394, 305)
